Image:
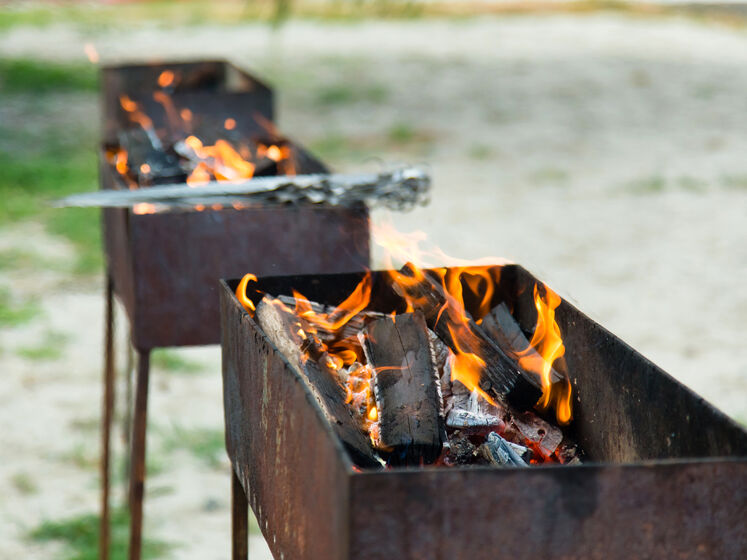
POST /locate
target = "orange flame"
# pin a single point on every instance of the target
(479, 282)
(246, 303)
(356, 302)
(545, 347)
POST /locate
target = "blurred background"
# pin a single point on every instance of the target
(600, 144)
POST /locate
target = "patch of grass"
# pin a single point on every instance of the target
(86, 458)
(692, 184)
(479, 152)
(170, 360)
(343, 94)
(734, 182)
(332, 147)
(14, 259)
(45, 164)
(205, 444)
(33, 76)
(401, 133)
(82, 456)
(24, 484)
(335, 94)
(194, 12)
(550, 175)
(49, 348)
(647, 185)
(89, 425)
(14, 312)
(80, 537)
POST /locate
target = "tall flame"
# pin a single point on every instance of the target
(544, 349)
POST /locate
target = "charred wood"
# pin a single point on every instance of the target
(503, 377)
(405, 388)
(282, 328)
(502, 328)
(350, 329)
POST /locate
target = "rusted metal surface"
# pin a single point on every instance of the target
(281, 447)
(107, 413)
(137, 463)
(166, 266)
(666, 475)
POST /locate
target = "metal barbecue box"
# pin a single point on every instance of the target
(164, 265)
(664, 473)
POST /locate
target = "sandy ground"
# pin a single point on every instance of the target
(604, 153)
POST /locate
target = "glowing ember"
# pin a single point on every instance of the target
(166, 78)
(144, 208)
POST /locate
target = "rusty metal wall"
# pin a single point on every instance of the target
(286, 456)
(598, 512)
(626, 408)
(178, 257)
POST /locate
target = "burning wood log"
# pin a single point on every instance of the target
(502, 328)
(405, 388)
(350, 329)
(285, 331)
(503, 378)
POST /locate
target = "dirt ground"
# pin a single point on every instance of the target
(606, 153)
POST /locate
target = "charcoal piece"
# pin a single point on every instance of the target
(524, 452)
(282, 328)
(500, 452)
(531, 428)
(405, 388)
(460, 418)
(502, 376)
(568, 453)
(461, 451)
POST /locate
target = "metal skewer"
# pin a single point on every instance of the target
(400, 189)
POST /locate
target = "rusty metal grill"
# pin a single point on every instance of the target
(665, 477)
(164, 267)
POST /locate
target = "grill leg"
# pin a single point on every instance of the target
(127, 420)
(106, 420)
(137, 465)
(239, 521)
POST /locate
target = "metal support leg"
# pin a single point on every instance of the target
(137, 472)
(239, 519)
(106, 421)
(127, 420)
